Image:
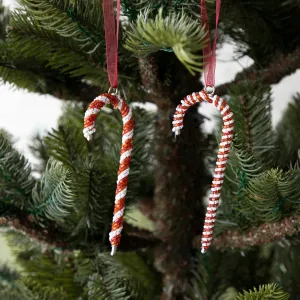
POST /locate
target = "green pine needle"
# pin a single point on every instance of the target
(54, 195)
(267, 291)
(287, 134)
(176, 31)
(27, 39)
(60, 17)
(16, 182)
(67, 145)
(248, 162)
(273, 194)
(123, 277)
(250, 103)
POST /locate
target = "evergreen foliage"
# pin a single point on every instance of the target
(17, 292)
(78, 172)
(44, 275)
(271, 291)
(39, 149)
(63, 53)
(7, 275)
(74, 47)
(54, 195)
(101, 277)
(16, 180)
(58, 47)
(126, 277)
(254, 192)
(251, 105)
(222, 275)
(287, 132)
(275, 25)
(177, 33)
(3, 22)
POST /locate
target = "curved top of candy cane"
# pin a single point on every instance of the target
(95, 107)
(187, 102)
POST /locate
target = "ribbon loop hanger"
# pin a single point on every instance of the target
(209, 52)
(111, 29)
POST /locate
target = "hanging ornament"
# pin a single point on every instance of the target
(126, 149)
(227, 134)
(207, 95)
(111, 28)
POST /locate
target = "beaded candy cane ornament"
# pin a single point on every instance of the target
(126, 149)
(218, 178)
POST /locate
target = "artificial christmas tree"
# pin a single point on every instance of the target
(57, 47)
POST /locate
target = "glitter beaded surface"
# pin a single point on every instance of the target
(222, 157)
(125, 156)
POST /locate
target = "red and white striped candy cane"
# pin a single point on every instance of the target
(126, 149)
(227, 135)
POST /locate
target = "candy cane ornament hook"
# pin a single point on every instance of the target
(126, 149)
(218, 178)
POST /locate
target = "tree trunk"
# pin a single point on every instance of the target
(180, 177)
(180, 187)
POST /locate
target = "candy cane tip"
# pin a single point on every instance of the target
(177, 132)
(87, 135)
(203, 250)
(113, 250)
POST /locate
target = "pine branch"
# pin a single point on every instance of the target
(54, 34)
(39, 264)
(177, 32)
(43, 80)
(39, 149)
(27, 39)
(263, 234)
(35, 76)
(83, 20)
(252, 154)
(282, 65)
(275, 29)
(17, 292)
(137, 232)
(3, 21)
(66, 144)
(46, 292)
(7, 275)
(267, 198)
(54, 196)
(126, 276)
(287, 133)
(271, 196)
(16, 182)
(287, 254)
(267, 291)
(77, 188)
(75, 90)
(38, 78)
(131, 8)
(246, 160)
(50, 238)
(254, 140)
(61, 20)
